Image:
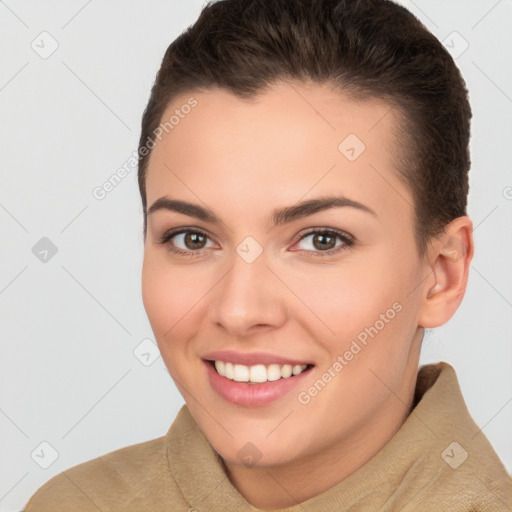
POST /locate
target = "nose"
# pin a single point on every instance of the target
(248, 299)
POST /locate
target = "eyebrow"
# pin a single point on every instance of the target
(279, 216)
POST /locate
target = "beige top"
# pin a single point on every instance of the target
(439, 460)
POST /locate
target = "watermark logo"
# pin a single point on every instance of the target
(249, 249)
(454, 249)
(44, 455)
(146, 352)
(454, 455)
(44, 45)
(44, 250)
(351, 147)
(249, 455)
(455, 44)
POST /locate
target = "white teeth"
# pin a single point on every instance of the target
(274, 372)
(297, 369)
(228, 371)
(219, 366)
(258, 373)
(286, 371)
(241, 373)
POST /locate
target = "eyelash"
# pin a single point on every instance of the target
(348, 241)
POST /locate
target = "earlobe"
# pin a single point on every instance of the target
(449, 261)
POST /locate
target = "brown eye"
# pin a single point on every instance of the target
(322, 241)
(194, 240)
(186, 241)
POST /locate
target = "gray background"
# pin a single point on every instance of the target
(72, 374)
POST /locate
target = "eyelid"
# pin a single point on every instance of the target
(323, 229)
(169, 233)
(347, 239)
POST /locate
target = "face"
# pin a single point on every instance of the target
(262, 270)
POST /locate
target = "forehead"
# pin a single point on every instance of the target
(294, 139)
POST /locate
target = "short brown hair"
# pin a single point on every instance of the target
(364, 49)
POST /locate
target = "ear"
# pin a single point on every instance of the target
(449, 258)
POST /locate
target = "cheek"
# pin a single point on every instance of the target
(172, 300)
(366, 299)
(347, 299)
(156, 295)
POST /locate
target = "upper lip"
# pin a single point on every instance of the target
(251, 358)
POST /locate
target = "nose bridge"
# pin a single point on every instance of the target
(246, 296)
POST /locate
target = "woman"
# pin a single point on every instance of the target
(304, 177)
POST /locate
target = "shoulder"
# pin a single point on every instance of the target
(114, 481)
(464, 471)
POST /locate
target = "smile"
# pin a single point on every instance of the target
(258, 373)
(256, 385)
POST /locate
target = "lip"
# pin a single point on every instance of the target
(252, 395)
(251, 358)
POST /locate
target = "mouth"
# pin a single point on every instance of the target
(257, 385)
(257, 373)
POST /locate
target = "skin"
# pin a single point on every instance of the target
(243, 159)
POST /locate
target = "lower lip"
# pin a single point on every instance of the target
(252, 395)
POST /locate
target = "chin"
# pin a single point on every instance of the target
(256, 450)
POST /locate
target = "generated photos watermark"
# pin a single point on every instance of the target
(358, 344)
(100, 192)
